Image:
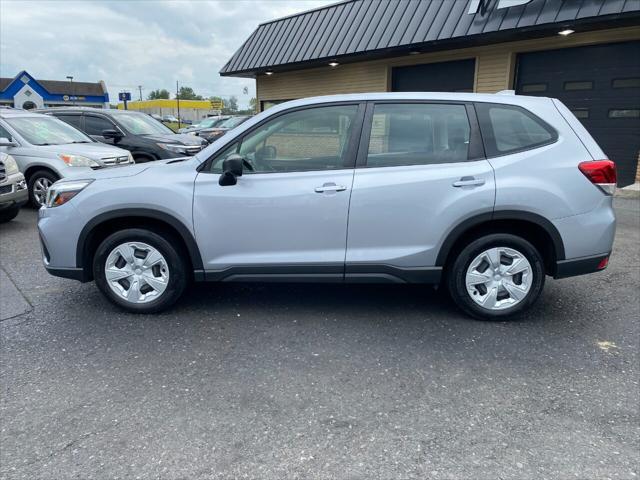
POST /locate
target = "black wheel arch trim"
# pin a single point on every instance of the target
(476, 220)
(181, 228)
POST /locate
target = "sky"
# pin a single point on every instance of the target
(140, 42)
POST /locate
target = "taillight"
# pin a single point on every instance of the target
(601, 173)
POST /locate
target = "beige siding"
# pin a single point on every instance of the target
(494, 67)
(493, 71)
(352, 78)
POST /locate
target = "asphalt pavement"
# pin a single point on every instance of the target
(318, 381)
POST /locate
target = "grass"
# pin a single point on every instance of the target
(174, 126)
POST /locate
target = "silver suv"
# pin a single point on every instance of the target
(486, 194)
(47, 149)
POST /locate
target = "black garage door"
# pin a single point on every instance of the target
(455, 76)
(601, 85)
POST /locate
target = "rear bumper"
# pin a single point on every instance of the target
(581, 266)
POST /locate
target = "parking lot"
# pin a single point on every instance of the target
(308, 381)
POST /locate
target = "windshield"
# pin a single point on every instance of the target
(45, 130)
(141, 124)
(206, 123)
(232, 122)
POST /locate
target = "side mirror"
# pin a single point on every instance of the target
(5, 142)
(231, 170)
(115, 134)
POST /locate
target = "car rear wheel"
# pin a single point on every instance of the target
(39, 183)
(139, 270)
(496, 276)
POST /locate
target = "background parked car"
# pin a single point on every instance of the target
(146, 138)
(47, 149)
(209, 122)
(13, 189)
(212, 134)
(169, 119)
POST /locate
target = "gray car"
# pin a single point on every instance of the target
(47, 149)
(484, 194)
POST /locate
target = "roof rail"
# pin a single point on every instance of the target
(506, 92)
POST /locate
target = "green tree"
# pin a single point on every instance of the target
(156, 94)
(187, 93)
(230, 106)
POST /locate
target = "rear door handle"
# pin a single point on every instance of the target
(330, 187)
(469, 182)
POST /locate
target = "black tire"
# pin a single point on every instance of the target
(178, 277)
(456, 274)
(9, 214)
(33, 178)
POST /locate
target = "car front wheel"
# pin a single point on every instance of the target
(496, 276)
(39, 183)
(139, 270)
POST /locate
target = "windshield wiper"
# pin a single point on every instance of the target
(81, 141)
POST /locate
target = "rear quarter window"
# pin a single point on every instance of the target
(509, 129)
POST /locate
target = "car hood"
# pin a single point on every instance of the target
(132, 170)
(95, 151)
(177, 138)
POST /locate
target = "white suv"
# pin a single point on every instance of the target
(484, 193)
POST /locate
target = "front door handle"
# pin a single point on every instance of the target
(469, 182)
(330, 187)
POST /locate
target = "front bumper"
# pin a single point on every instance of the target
(16, 192)
(59, 229)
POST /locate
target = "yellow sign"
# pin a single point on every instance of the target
(217, 105)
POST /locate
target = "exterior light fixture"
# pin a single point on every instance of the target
(566, 32)
(269, 73)
(414, 52)
(333, 64)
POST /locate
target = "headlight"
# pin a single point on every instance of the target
(77, 160)
(10, 165)
(61, 192)
(172, 147)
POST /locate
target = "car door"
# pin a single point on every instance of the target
(286, 217)
(420, 172)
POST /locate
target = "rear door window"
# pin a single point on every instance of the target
(509, 129)
(418, 134)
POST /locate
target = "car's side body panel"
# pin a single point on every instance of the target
(272, 219)
(399, 215)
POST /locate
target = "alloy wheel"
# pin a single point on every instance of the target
(136, 272)
(40, 187)
(499, 278)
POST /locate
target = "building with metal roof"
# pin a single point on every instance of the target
(584, 52)
(25, 91)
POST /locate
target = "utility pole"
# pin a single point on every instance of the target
(178, 102)
(140, 89)
(70, 77)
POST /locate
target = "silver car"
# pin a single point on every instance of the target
(484, 194)
(47, 149)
